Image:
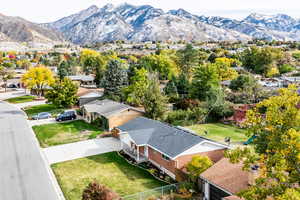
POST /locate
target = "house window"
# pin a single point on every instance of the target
(165, 157)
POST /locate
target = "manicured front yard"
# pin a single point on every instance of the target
(109, 169)
(63, 133)
(23, 99)
(33, 110)
(218, 132)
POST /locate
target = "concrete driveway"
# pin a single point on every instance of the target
(42, 122)
(24, 174)
(49, 121)
(82, 149)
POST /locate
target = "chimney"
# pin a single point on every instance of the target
(253, 174)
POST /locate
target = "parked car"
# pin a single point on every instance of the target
(43, 115)
(66, 115)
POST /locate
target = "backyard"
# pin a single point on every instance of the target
(218, 132)
(63, 133)
(108, 169)
(33, 110)
(22, 99)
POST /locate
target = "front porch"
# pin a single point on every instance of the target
(134, 153)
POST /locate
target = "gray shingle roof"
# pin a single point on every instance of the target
(169, 140)
(106, 107)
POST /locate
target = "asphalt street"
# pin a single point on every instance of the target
(23, 173)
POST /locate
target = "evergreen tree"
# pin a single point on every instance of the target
(188, 59)
(171, 91)
(216, 104)
(205, 78)
(135, 92)
(63, 70)
(115, 79)
(242, 82)
(183, 85)
(155, 102)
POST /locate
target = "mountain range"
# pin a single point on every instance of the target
(16, 29)
(146, 23)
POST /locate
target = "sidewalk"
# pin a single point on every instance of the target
(32, 103)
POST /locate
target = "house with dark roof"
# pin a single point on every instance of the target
(110, 113)
(224, 180)
(167, 147)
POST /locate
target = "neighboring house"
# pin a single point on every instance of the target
(167, 147)
(111, 113)
(83, 79)
(224, 180)
(86, 95)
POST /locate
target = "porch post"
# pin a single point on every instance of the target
(138, 153)
(206, 191)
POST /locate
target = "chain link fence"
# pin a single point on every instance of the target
(168, 192)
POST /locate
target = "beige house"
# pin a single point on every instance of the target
(110, 114)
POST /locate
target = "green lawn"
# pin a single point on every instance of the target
(109, 169)
(33, 110)
(23, 99)
(63, 133)
(218, 132)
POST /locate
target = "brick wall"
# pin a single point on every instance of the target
(157, 158)
(215, 156)
(123, 117)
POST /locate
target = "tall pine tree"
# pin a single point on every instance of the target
(115, 79)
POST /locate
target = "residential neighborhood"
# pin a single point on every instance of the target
(131, 102)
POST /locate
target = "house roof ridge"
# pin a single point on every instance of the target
(187, 131)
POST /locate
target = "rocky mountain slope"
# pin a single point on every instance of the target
(16, 29)
(137, 23)
(145, 23)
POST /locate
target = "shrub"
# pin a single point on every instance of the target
(296, 74)
(286, 68)
(296, 55)
(241, 82)
(179, 117)
(96, 191)
(185, 104)
(187, 117)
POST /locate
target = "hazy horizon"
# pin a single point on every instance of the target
(52, 10)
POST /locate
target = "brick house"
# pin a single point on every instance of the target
(167, 147)
(110, 113)
(224, 180)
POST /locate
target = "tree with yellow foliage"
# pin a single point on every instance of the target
(197, 165)
(225, 70)
(275, 122)
(38, 78)
(272, 71)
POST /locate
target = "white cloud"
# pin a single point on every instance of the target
(49, 10)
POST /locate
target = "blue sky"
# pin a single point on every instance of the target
(50, 10)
